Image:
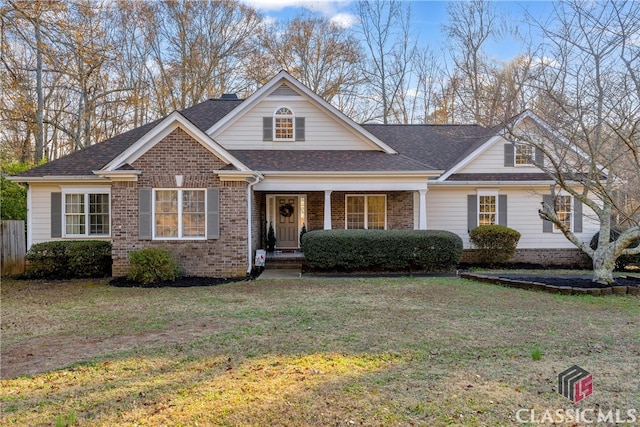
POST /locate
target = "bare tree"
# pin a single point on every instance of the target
(196, 49)
(322, 55)
(385, 27)
(471, 25)
(590, 83)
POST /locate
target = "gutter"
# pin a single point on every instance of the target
(257, 179)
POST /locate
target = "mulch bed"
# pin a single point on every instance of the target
(181, 282)
(569, 285)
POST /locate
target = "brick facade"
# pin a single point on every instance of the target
(179, 154)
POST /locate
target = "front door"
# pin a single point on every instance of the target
(287, 221)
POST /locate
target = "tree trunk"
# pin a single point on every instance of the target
(603, 266)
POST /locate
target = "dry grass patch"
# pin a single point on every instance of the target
(307, 352)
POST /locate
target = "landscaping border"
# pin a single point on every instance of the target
(564, 290)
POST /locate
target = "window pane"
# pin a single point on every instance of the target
(375, 212)
(74, 214)
(487, 210)
(98, 214)
(284, 128)
(283, 125)
(563, 210)
(524, 154)
(355, 212)
(166, 213)
(193, 213)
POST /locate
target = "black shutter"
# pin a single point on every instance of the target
(547, 226)
(577, 216)
(213, 213)
(502, 209)
(267, 128)
(539, 157)
(472, 211)
(145, 219)
(299, 128)
(509, 155)
(56, 214)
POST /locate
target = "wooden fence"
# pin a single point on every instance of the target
(13, 246)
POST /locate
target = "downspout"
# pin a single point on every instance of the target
(250, 223)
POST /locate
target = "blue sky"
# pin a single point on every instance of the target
(428, 17)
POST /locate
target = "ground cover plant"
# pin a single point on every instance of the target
(375, 351)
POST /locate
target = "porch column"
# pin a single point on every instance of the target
(422, 210)
(327, 209)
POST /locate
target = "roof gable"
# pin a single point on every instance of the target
(160, 131)
(282, 90)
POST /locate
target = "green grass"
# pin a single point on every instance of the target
(355, 351)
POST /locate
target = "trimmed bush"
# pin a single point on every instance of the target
(381, 250)
(152, 265)
(624, 260)
(69, 259)
(496, 244)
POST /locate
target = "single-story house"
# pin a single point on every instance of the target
(206, 182)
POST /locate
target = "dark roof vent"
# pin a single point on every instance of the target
(229, 96)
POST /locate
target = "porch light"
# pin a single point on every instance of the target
(179, 180)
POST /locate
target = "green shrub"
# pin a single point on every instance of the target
(381, 250)
(496, 244)
(623, 260)
(152, 265)
(69, 259)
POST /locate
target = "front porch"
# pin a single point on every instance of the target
(291, 213)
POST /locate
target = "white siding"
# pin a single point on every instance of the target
(447, 210)
(492, 161)
(40, 213)
(322, 131)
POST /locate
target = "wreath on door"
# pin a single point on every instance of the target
(286, 210)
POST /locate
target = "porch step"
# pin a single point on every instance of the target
(282, 264)
(284, 260)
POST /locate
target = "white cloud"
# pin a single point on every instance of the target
(344, 20)
(328, 9)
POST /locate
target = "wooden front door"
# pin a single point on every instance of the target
(287, 221)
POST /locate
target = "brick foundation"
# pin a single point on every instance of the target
(571, 258)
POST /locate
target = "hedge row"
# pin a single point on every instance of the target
(381, 250)
(69, 259)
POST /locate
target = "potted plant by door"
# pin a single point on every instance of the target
(271, 239)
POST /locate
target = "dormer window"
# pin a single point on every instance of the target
(524, 154)
(283, 127)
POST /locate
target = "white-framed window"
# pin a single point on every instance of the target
(367, 211)
(86, 213)
(524, 154)
(179, 214)
(283, 124)
(564, 208)
(488, 207)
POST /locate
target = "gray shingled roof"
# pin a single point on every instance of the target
(327, 161)
(421, 147)
(95, 157)
(505, 177)
(440, 146)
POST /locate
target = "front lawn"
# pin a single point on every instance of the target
(384, 351)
